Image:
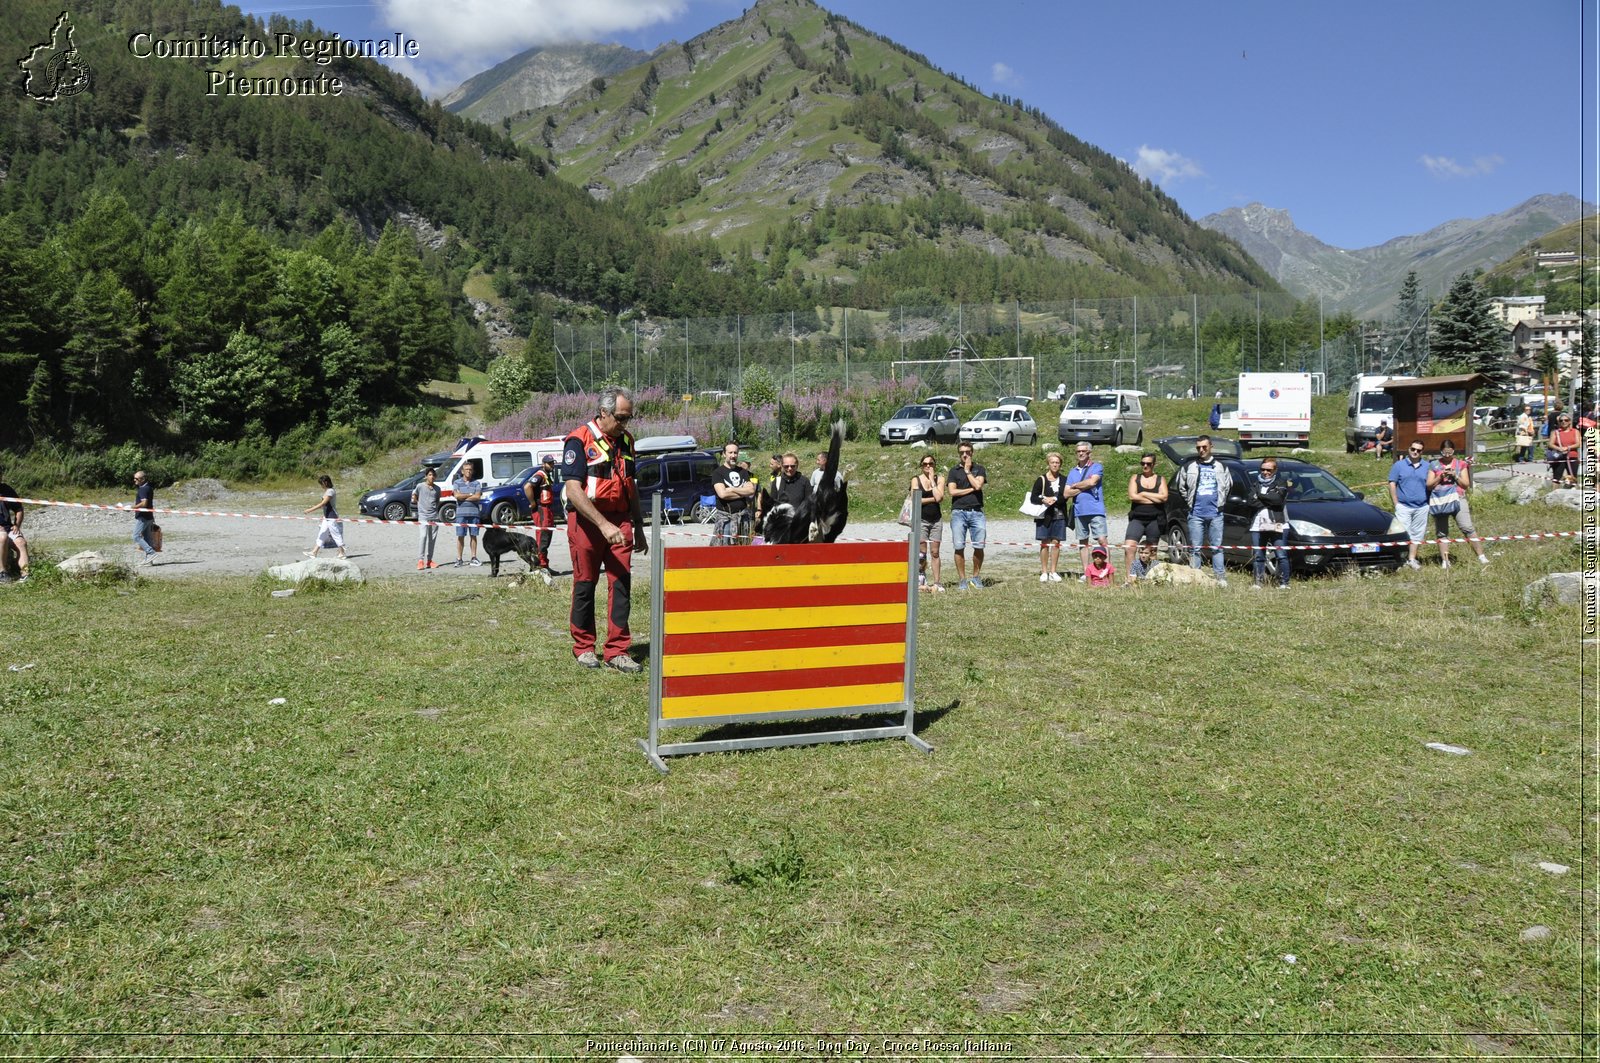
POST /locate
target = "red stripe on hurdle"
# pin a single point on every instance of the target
(790, 598)
(735, 641)
(800, 679)
(862, 553)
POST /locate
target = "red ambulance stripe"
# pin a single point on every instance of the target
(733, 641)
(802, 679)
(684, 557)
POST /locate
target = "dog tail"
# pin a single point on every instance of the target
(830, 505)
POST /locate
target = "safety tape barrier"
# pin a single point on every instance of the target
(125, 509)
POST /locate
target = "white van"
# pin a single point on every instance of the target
(498, 460)
(1112, 416)
(1368, 405)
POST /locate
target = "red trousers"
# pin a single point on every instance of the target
(590, 554)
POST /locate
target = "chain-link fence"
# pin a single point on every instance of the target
(1165, 345)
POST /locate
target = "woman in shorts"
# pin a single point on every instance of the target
(1147, 491)
(929, 484)
(1049, 527)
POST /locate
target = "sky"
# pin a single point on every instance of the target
(1366, 120)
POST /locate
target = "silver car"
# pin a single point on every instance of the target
(927, 423)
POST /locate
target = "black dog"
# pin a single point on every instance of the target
(497, 541)
(822, 516)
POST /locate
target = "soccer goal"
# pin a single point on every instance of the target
(980, 379)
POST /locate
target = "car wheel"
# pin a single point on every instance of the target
(1008, 439)
(503, 513)
(1349, 447)
(394, 511)
(1176, 542)
(1138, 440)
(447, 512)
(1116, 438)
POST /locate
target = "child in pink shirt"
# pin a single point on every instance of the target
(1100, 570)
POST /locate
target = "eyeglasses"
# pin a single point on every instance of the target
(622, 418)
(1147, 463)
(1415, 450)
(928, 462)
(790, 468)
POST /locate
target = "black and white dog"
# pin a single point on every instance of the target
(822, 517)
(497, 541)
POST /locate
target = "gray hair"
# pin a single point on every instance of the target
(610, 395)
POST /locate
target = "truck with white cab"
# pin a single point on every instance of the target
(1369, 405)
(1274, 409)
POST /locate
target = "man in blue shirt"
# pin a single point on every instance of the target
(1088, 503)
(1408, 490)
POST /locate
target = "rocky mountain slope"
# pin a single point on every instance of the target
(537, 77)
(1364, 282)
(823, 146)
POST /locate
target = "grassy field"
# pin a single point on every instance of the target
(1142, 805)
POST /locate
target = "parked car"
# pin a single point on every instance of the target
(933, 423)
(1102, 417)
(508, 503)
(498, 461)
(682, 479)
(392, 503)
(1002, 424)
(1322, 511)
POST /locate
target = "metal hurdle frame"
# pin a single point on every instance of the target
(655, 751)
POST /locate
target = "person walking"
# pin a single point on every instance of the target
(968, 525)
(1408, 490)
(734, 490)
(468, 490)
(1270, 525)
(541, 490)
(931, 487)
(144, 516)
(332, 528)
(1147, 495)
(1050, 527)
(605, 525)
(11, 535)
(1449, 481)
(1087, 492)
(1526, 428)
(425, 500)
(1204, 482)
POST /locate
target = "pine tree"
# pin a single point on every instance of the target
(1466, 336)
(1411, 324)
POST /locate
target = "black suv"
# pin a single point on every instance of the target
(680, 479)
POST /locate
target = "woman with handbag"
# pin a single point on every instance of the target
(1448, 484)
(929, 485)
(1563, 444)
(1049, 518)
(1269, 529)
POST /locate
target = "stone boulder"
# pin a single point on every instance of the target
(1521, 489)
(330, 569)
(1564, 587)
(1168, 574)
(1128, 448)
(86, 564)
(1565, 496)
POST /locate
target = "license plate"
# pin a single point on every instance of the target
(1364, 548)
(1082, 435)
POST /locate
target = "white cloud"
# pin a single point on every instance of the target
(1001, 74)
(1444, 166)
(469, 34)
(1161, 166)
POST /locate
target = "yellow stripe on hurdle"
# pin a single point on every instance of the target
(825, 616)
(781, 701)
(725, 579)
(782, 660)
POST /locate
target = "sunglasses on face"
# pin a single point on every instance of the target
(790, 468)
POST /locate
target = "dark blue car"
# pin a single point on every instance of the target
(508, 503)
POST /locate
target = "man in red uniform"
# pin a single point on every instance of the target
(605, 526)
(540, 490)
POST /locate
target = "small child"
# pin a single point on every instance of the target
(1143, 563)
(1100, 571)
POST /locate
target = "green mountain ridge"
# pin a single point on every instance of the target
(817, 145)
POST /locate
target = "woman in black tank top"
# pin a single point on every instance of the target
(1147, 491)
